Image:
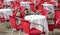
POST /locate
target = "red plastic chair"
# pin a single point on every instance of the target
(57, 19)
(25, 25)
(22, 11)
(1, 4)
(27, 30)
(59, 6)
(40, 8)
(51, 27)
(14, 12)
(32, 7)
(2, 18)
(24, 0)
(32, 1)
(53, 3)
(15, 5)
(45, 13)
(48, 1)
(39, 2)
(12, 4)
(13, 24)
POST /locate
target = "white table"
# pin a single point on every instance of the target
(39, 20)
(6, 12)
(49, 7)
(7, 2)
(26, 4)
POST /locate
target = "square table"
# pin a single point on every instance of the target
(36, 21)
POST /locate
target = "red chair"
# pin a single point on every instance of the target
(2, 18)
(32, 7)
(12, 4)
(51, 27)
(17, 4)
(48, 1)
(13, 24)
(57, 19)
(27, 30)
(22, 11)
(45, 13)
(1, 4)
(24, 0)
(40, 8)
(59, 6)
(39, 2)
(25, 25)
(53, 3)
(14, 12)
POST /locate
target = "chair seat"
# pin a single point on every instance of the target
(2, 19)
(35, 31)
(51, 27)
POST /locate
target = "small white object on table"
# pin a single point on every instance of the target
(39, 20)
(49, 7)
(6, 12)
(26, 4)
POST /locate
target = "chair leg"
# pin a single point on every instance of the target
(20, 32)
(12, 32)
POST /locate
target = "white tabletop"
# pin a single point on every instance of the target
(34, 17)
(26, 4)
(46, 4)
(38, 19)
(1, 10)
(6, 12)
(49, 7)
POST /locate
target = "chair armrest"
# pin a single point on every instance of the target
(57, 21)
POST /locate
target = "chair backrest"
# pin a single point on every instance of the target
(53, 3)
(32, 1)
(25, 26)
(59, 5)
(45, 13)
(12, 4)
(24, 0)
(48, 1)
(1, 4)
(13, 22)
(40, 7)
(14, 12)
(32, 7)
(15, 4)
(57, 16)
(2, 17)
(38, 2)
(22, 11)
